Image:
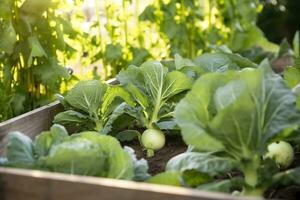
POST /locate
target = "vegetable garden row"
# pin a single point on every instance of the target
(201, 105)
(239, 122)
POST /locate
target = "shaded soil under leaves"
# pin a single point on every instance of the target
(289, 193)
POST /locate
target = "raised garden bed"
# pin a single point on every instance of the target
(20, 184)
(93, 105)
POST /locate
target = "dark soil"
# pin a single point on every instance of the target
(289, 193)
(280, 64)
(174, 146)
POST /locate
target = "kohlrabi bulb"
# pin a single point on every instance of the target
(282, 152)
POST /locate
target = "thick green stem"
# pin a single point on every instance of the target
(157, 106)
(156, 110)
(250, 176)
(259, 192)
(97, 121)
(250, 170)
(150, 153)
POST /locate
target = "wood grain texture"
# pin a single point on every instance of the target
(18, 184)
(31, 123)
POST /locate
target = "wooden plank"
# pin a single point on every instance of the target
(18, 184)
(31, 123)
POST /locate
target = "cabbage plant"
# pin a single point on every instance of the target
(233, 116)
(89, 104)
(87, 153)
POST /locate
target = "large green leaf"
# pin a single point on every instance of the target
(238, 111)
(166, 178)
(195, 111)
(5, 9)
(36, 6)
(250, 37)
(193, 178)
(17, 103)
(110, 96)
(86, 96)
(152, 86)
(265, 108)
(163, 85)
(181, 62)
(220, 62)
(223, 185)
(113, 52)
(118, 163)
(291, 76)
(44, 141)
(92, 105)
(50, 73)
(138, 95)
(19, 150)
(202, 162)
(9, 37)
(132, 75)
(71, 117)
(36, 49)
(76, 156)
(122, 110)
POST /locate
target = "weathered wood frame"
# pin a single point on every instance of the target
(20, 184)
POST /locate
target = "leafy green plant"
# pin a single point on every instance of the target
(154, 88)
(89, 104)
(33, 38)
(234, 116)
(40, 39)
(85, 153)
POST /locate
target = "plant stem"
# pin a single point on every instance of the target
(97, 121)
(154, 116)
(250, 170)
(250, 176)
(150, 153)
(253, 191)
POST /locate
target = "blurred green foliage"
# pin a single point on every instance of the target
(98, 38)
(32, 35)
(129, 32)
